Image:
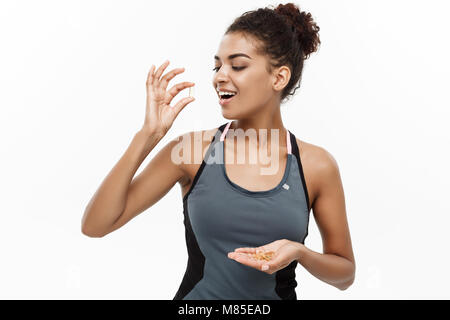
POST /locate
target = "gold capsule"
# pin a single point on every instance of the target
(263, 255)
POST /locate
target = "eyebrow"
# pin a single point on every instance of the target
(232, 56)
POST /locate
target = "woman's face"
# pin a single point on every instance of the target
(246, 75)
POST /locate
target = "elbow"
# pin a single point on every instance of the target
(91, 233)
(346, 285)
(88, 229)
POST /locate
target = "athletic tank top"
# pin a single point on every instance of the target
(220, 216)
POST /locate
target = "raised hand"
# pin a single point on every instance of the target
(159, 114)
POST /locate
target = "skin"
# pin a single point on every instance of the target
(121, 197)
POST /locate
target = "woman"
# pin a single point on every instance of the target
(245, 230)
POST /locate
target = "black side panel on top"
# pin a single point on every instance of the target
(196, 260)
(285, 278)
(296, 152)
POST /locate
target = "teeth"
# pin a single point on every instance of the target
(222, 93)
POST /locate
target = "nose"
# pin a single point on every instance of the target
(220, 76)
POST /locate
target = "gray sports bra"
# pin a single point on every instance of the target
(220, 216)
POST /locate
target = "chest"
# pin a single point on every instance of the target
(254, 176)
(221, 212)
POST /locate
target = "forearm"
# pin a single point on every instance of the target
(109, 201)
(332, 269)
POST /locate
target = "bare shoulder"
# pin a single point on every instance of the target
(193, 140)
(319, 167)
(193, 146)
(320, 158)
(205, 135)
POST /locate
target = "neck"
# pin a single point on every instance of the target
(271, 121)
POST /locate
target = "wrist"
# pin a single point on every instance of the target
(151, 134)
(148, 140)
(301, 251)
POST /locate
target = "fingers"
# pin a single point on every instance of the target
(246, 256)
(162, 83)
(252, 250)
(181, 104)
(169, 76)
(160, 71)
(154, 81)
(245, 259)
(269, 267)
(178, 87)
(150, 76)
(246, 250)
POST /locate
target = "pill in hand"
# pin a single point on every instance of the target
(263, 255)
(191, 91)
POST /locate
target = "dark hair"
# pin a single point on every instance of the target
(285, 34)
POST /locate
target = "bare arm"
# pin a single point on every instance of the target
(336, 265)
(119, 199)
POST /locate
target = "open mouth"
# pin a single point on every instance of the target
(225, 99)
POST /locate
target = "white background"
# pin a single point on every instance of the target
(72, 83)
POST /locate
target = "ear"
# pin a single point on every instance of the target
(282, 75)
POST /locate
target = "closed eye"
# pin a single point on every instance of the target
(234, 68)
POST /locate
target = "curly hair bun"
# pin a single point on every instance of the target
(303, 23)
